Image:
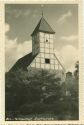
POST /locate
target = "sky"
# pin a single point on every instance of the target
(20, 21)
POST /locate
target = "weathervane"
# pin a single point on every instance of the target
(42, 9)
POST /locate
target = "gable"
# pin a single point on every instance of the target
(46, 61)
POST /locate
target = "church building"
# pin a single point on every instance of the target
(42, 55)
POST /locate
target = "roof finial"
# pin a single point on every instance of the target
(42, 9)
(42, 13)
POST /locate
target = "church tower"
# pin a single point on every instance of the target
(42, 37)
(42, 48)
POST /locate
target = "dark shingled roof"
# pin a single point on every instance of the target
(23, 62)
(43, 26)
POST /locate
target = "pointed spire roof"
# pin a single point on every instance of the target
(43, 26)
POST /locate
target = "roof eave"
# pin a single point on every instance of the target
(47, 32)
(43, 32)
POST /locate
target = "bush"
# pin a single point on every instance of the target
(26, 109)
(34, 108)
